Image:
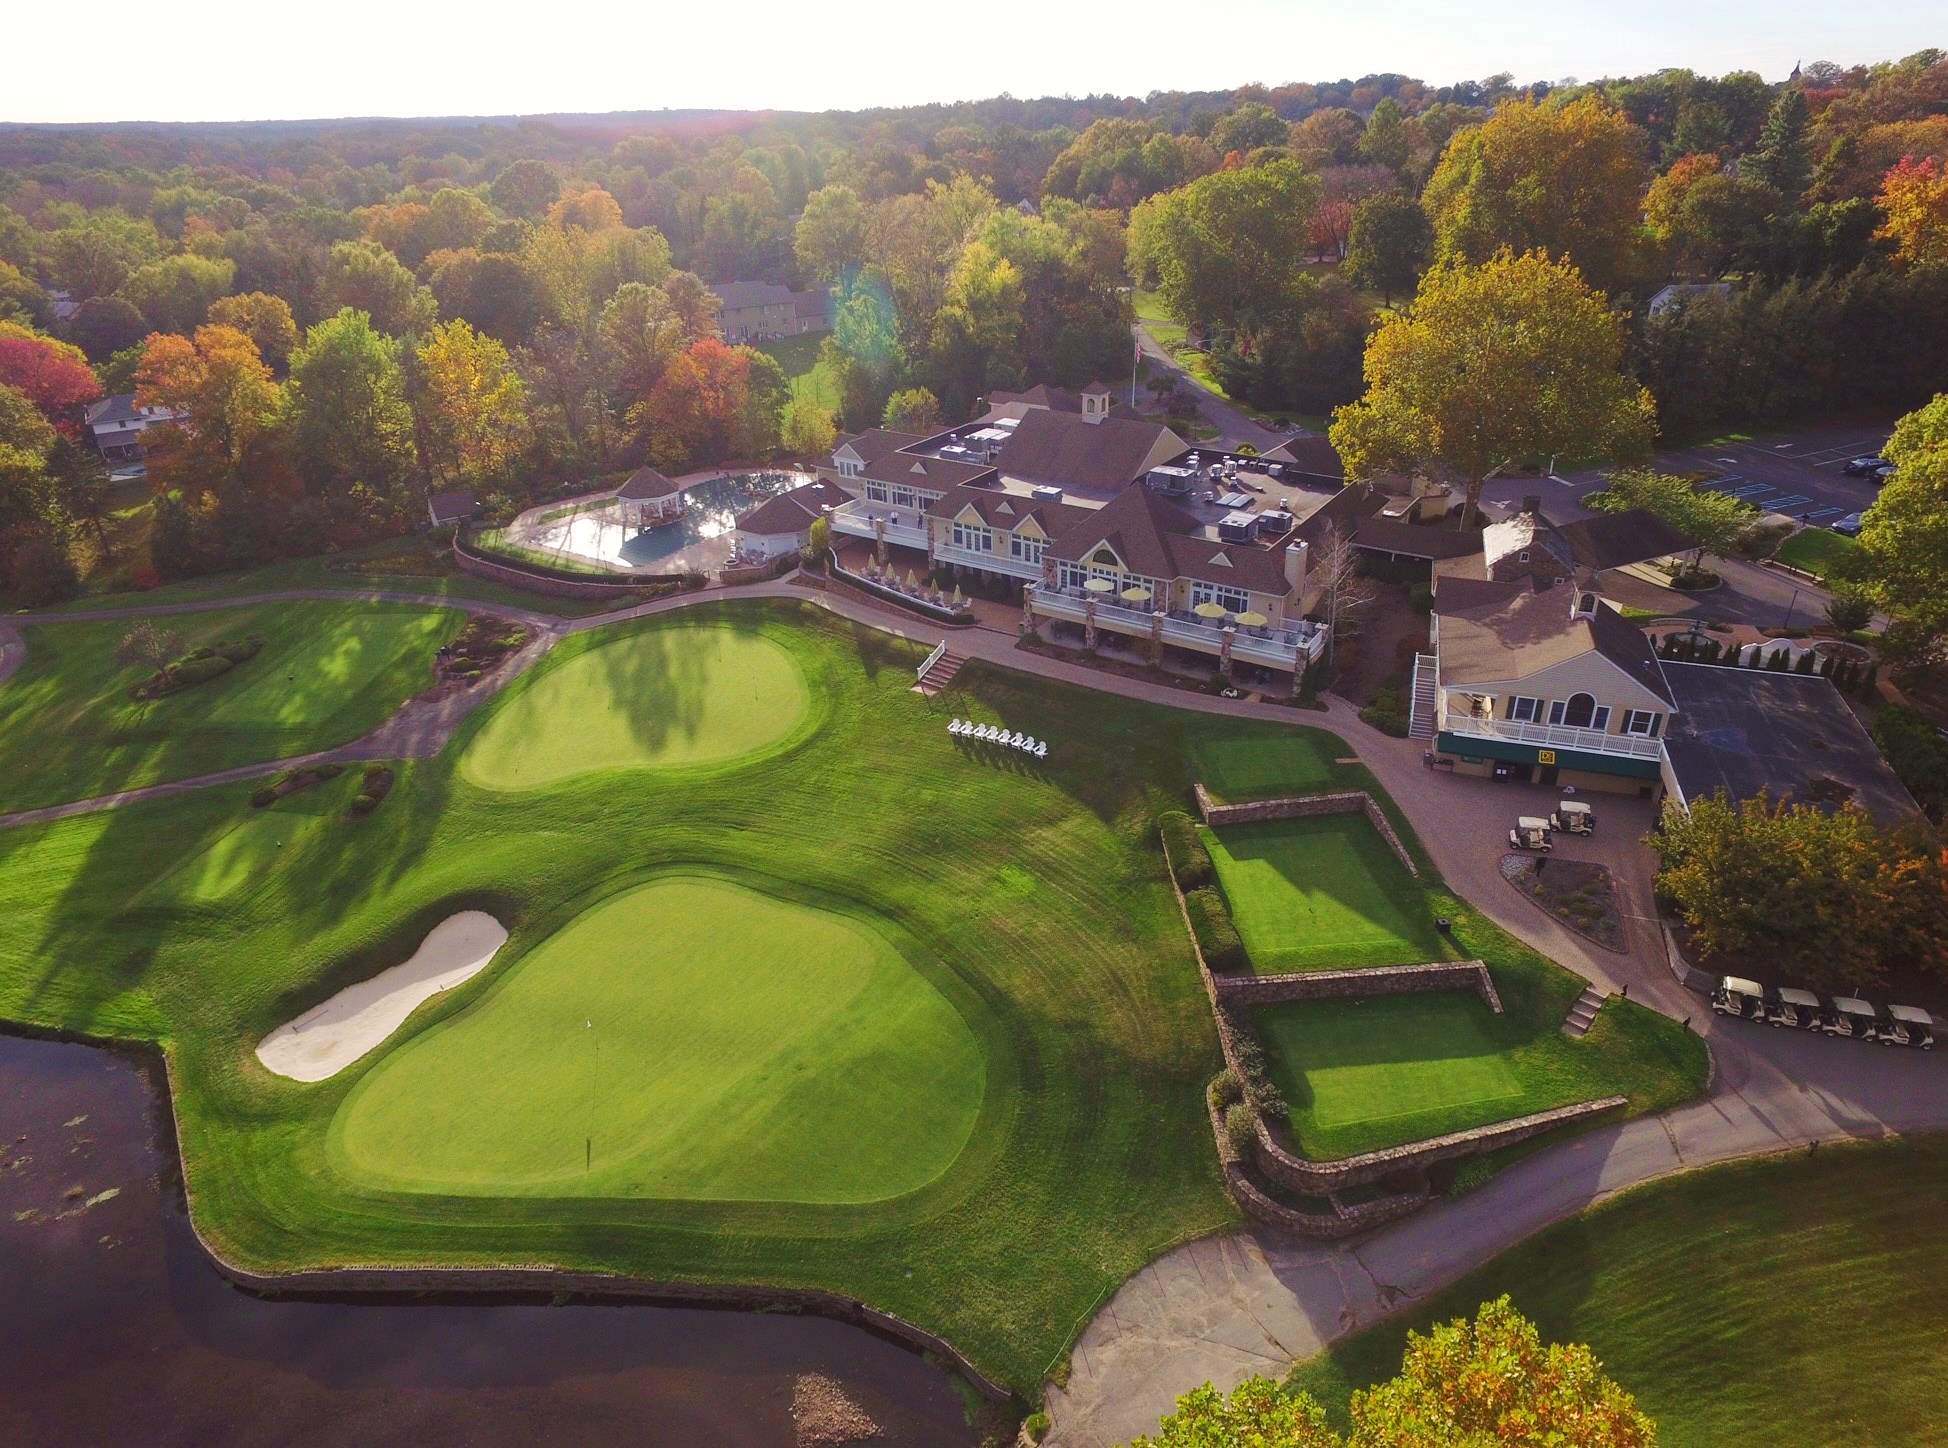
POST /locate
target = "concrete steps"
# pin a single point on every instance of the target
(941, 674)
(1583, 1014)
(1420, 721)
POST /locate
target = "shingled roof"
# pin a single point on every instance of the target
(646, 483)
(1610, 540)
(1492, 630)
(1160, 540)
(1060, 449)
(792, 511)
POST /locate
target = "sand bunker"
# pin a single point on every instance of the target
(329, 1037)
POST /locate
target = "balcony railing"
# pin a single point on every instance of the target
(855, 520)
(996, 562)
(1279, 648)
(1552, 736)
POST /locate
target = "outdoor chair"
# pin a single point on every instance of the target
(1041, 750)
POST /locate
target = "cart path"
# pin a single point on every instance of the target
(1239, 1303)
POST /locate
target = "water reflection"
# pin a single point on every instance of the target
(711, 512)
(115, 1328)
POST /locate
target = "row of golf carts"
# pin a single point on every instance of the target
(1795, 1009)
(1533, 832)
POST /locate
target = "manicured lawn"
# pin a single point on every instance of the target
(1792, 1302)
(692, 1037)
(1817, 550)
(1387, 1059)
(1030, 898)
(798, 356)
(1320, 894)
(679, 695)
(327, 673)
(1241, 763)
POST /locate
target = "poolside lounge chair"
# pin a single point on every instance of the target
(955, 727)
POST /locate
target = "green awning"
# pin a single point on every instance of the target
(1467, 746)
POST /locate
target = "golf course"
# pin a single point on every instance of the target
(797, 990)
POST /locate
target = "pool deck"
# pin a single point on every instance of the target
(594, 534)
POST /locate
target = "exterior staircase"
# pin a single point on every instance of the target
(940, 674)
(1420, 721)
(1583, 1014)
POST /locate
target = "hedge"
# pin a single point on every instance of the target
(1216, 936)
(1190, 862)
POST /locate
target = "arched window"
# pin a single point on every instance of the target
(1579, 711)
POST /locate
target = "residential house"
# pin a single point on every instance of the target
(444, 510)
(115, 425)
(754, 311)
(783, 524)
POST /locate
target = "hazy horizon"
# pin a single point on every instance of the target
(222, 61)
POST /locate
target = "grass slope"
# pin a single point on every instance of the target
(1793, 1302)
(1817, 550)
(1242, 763)
(1321, 893)
(690, 1038)
(328, 672)
(679, 695)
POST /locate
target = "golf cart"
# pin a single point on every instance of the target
(1573, 817)
(1737, 996)
(1531, 833)
(1907, 1026)
(1853, 1017)
(1799, 1009)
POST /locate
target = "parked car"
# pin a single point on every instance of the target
(1908, 1026)
(1881, 476)
(1851, 1016)
(1737, 996)
(1799, 1009)
(1860, 467)
(1849, 525)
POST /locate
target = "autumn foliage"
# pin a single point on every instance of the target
(1914, 196)
(53, 375)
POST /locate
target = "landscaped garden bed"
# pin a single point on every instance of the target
(1579, 893)
(479, 648)
(198, 666)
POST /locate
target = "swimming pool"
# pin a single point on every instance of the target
(600, 536)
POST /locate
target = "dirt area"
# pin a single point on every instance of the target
(479, 648)
(824, 1416)
(1579, 893)
(1378, 648)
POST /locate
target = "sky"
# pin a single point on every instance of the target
(231, 60)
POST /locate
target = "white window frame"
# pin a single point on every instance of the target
(876, 492)
(1525, 708)
(1235, 600)
(973, 537)
(1028, 550)
(1644, 723)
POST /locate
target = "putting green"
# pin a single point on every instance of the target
(1322, 893)
(689, 1038)
(1344, 1063)
(683, 694)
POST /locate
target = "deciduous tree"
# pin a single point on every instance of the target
(53, 375)
(1388, 244)
(471, 405)
(1904, 540)
(366, 277)
(228, 404)
(1914, 198)
(829, 239)
(263, 318)
(1566, 179)
(1492, 365)
(1228, 249)
(912, 409)
(525, 188)
(345, 407)
(174, 294)
(1714, 522)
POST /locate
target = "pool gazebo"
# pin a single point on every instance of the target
(647, 499)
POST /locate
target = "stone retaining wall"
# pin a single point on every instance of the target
(1378, 980)
(1305, 806)
(758, 572)
(1300, 1175)
(516, 577)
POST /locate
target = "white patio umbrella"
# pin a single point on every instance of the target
(1100, 585)
(1133, 594)
(1253, 619)
(1210, 610)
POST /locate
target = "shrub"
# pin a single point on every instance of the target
(1241, 1128)
(1227, 1088)
(1387, 713)
(1421, 597)
(1471, 1175)
(43, 573)
(1190, 862)
(695, 578)
(1035, 1425)
(263, 797)
(194, 670)
(1216, 936)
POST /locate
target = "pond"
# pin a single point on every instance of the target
(118, 1329)
(711, 513)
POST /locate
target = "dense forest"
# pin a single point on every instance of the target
(349, 314)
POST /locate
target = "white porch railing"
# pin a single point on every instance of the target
(1275, 648)
(856, 520)
(1005, 563)
(931, 659)
(1553, 736)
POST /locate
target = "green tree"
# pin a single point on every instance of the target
(807, 430)
(830, 237)
(912, 409)
(263, 318)
(1493, 365)
(175, 293)
(471, 405)
(1250, 126)
(1904, 540)
(525, 188)
(1783, 160)
(1714, 522)
(1918, 754)
(1385, 141)
(1256, 1414)
(1387, 247)
(103, 326)
(1229, 249)
(95, 254)
(1566, 179)
(366, 277)
(345, 407)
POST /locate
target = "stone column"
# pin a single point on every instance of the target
(1089, 623)
(1224, 651)
(879, 539)
(1298, 675)
(1156, 637)
(1028, 609)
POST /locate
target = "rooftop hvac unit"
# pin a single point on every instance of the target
(1047, 495)
(1237, 527)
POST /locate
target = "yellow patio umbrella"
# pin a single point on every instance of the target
(1210, 610)
(1100, 585)
(1253, 620)
(1133, 594)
